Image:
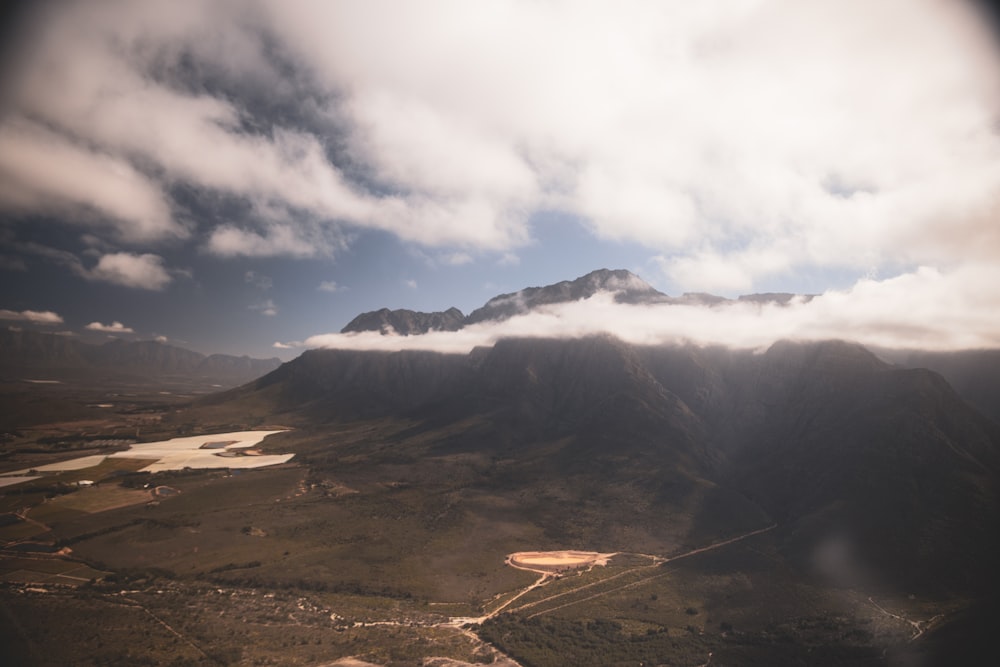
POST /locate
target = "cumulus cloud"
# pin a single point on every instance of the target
(35, 316)
(266, 307)
(145, 271)
(114, 328)
(140, 271)
(329, 286)
(736, 140)
(740, 140)
(43, 171)
(923, 309)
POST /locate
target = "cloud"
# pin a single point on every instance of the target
(457, 258)
(144, 271)
(161, 339)
(288, 240)
(410, 283)
(115, 327)
(258, 280)
(139, 271)
(924, 309)
(44, 171)
(267, 308)
(329, 286)
(770, 135)
(278, 345)
(45, 317)
(737, 141)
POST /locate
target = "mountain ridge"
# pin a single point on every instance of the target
(823, 438)
(626, 286)
(23, 351)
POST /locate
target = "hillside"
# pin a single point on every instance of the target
(24, 353)
(822, 438)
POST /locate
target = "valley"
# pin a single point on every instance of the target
(418, 480)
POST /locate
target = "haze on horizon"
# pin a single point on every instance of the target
(228, 174)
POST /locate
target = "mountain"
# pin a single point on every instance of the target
(25, 352)
(406, 322)
(825, 439)
(626, 287)
(975, 374)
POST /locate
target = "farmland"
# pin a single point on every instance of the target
(378, 543)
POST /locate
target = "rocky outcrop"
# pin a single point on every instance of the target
(406, 322)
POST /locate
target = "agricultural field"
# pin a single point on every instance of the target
(374, 543)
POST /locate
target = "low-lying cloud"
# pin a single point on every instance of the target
(925, 309)
(45, 317)
(115, 327)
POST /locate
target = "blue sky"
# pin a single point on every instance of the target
(227, 175)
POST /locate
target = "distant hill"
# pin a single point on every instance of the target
(24, 352)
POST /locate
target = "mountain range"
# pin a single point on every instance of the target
(832, 444)
(25, 352)
(625, 285)
(814, 503)
(876, 453)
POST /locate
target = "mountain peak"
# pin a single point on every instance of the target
(627, 287)
(406, 322)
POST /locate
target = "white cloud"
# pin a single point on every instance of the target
(923, 309)
(41, 170)
(38, 317)
(278, 345)
(115, 327)
(266, 307)
(770, 134)
(139, 271)
(230, 241)
(741, 139)
(457, 258)
(329, 286)
(144, 271)
(412, 284)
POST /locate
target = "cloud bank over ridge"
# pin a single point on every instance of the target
(925, 310)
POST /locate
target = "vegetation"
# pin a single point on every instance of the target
(386, 526)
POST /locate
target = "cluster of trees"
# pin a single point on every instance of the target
(552, 640)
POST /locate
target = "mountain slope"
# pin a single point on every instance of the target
(26, 352)
(888, 465)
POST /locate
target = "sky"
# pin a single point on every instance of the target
(229, 175)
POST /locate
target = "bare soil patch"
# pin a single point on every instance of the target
(556, 561)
